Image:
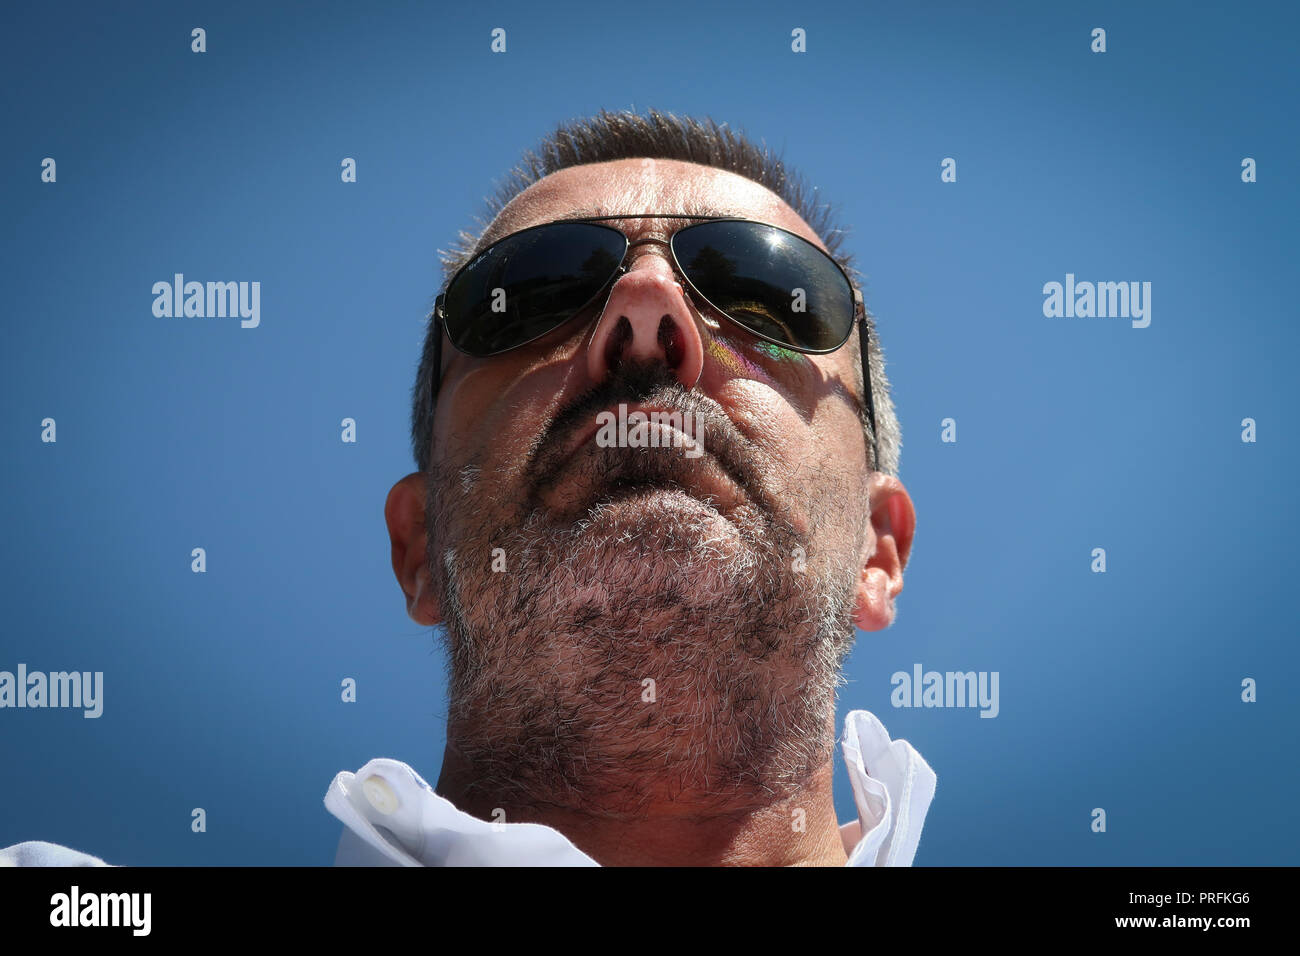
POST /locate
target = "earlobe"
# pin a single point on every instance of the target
(404, 515)
(423, 607)
(875, 608)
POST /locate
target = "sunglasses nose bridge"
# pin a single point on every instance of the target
(631, 257)
(645, 239)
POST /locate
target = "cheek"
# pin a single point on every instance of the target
(483, 421)
(814, 459)
(785, 440)
(777, 405)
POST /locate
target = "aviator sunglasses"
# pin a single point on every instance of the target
(775, 285)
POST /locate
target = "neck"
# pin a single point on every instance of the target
(798, 829)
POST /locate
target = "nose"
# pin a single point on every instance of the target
(647, 318)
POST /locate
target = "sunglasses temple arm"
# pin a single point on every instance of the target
(865, 342)
(436, 375)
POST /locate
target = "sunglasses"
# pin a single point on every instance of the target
(773, 284)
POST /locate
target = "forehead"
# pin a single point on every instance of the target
(629, 186)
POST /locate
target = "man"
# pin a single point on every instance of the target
(655, 495)
(645, 634)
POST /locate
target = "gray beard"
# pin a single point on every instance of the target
(548, 660)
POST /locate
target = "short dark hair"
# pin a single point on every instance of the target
(626, 135)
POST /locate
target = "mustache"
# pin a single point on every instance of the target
(649, 383)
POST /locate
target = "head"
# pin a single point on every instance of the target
(627, 625)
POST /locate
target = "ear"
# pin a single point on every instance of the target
(885, 553)
(404, 514)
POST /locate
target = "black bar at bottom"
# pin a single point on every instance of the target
(333, 906)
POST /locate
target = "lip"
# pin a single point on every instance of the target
(707, 477)
(588, 433)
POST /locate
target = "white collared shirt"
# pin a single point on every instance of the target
(391, 817)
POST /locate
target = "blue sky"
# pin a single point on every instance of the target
(1119, 690)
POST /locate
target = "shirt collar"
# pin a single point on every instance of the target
(392, 817)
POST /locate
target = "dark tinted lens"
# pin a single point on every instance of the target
(528, 284)
(770, 281)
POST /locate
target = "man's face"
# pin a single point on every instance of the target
(571, 574)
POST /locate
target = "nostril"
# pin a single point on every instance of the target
(670, 340)
(618, 340)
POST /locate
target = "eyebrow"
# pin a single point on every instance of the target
(691, 207)
(583, 212)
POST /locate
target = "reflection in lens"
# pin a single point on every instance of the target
(772, 282)
(530, 283)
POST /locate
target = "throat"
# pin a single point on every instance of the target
(799, 829)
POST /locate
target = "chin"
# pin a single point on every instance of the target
(673, 525)
(622, 557)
